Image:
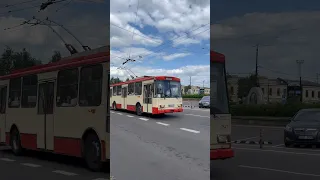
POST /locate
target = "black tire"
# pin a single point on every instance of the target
(15, 142)
(138, 110)
(92, 153)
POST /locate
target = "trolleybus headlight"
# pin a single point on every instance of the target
(223, 138)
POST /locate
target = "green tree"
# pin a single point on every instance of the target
(186, 89)
(114, 80)
(245, 84)
(56, 56)
(6, 61)
(127, 79)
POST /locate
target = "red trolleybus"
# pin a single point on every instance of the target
(220, 118)
(59, 107)
(148, 94)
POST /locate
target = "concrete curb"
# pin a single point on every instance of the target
(263, 121)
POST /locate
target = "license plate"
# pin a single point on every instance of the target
(171, 105)
(305, 137)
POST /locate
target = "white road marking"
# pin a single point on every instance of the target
(30, 165)
(278, 170)
(112, 112)
(7, 159)
(65, 173)
(164, 124)
(197, 115)
(252, 126)
(247, 138)
(278, 145)
(190, 130)
(119, 113)
(130, 116)
(144, 119)
(274, 151)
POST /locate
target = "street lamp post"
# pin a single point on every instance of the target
(300, 62)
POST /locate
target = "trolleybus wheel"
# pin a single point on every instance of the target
(16, 142)
(138, 110)
(92, 152)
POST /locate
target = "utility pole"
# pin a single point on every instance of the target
(257, 55)
(203, 84)
(300, 62)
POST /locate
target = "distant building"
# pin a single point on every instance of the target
(195, 90)
(276, 89)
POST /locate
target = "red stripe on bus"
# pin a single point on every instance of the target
(67, 146)
(165, 78)
(217, 57)
(156, 110)
(103, 149)
(118, 106)
(131, 108)
(28, 141)
(221, 154)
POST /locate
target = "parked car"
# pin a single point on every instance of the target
(204, 102)
(303, 129)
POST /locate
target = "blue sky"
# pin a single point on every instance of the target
(239, 26)
(171, 39)
(88, 20)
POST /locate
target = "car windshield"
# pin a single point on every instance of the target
(219, 95)
(205, 98)
(168, 89)
(307, 116)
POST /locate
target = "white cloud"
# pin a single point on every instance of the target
(175, 56)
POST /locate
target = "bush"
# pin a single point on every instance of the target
(277, 110)
(197, 96)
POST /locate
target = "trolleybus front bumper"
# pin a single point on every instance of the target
(221, 154)
(163, 111)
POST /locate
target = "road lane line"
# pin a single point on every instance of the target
(274, 151)
(197, 115)
(190, 130)
(278, 145)
(7, 159)
(119, 113)
(164, 124)
(130, 116)
(112, 112)
(278, 170)
(247, 138)
(65, 173)
(30, 165)
(144, 119)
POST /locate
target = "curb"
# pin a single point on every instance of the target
(252, 142)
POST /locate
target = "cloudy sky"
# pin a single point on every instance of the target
(88, 20)
(286, 31)
(168, 37)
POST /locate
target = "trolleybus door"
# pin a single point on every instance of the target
(3, 105)
(124, 97)
(147, 97)
(45, 108)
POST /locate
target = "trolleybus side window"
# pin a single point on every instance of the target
(90, 89)
(219, 96)
(114, 90)
(14, 93)
(119, 88)
(131, 89)
(67, 90)
(29, 91)
(138, 88)
(3, 99)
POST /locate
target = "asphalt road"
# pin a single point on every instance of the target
(173, 147)
(273, 161)
(35, 165)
